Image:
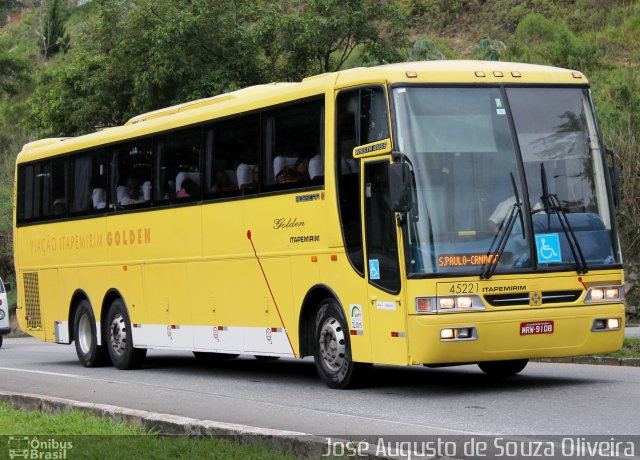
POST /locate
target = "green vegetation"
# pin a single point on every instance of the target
(117, 440)
(68, 70)
(630, 349)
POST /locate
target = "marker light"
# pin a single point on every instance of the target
(447, 302)
(447, 334)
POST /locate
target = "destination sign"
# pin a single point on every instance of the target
(470, 260)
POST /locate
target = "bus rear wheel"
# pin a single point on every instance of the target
(503, 369)
(332, 348)
(90, 354)
(119, 340)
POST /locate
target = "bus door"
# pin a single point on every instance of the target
(385, 295)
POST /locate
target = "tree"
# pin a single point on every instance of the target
(321, 35)
(141, 55)
(14, 73)
(425, 49)
(52, 32)
(488, 49)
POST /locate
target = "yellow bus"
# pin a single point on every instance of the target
(434, 213)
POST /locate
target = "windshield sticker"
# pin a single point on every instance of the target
(501, 111)
(498, 103)
(374, 269)
(548, 248)
(356, 317)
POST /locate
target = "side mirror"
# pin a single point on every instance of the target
(614, 175)
(7, 287)
(400, 187)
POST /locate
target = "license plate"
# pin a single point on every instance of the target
(539, 327)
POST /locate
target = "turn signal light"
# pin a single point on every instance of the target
(424, 304)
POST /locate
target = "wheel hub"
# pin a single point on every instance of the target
(332, 344)
(84, 334)
(118, 334)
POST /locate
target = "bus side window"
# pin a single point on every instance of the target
(178, 166)
(232, 157)
(88, 172)
(45, 195)
(131, 174)
(294, 145)
(362, 118)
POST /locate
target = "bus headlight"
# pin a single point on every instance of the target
(464, 302)
(606, 324)
(457, 334)
(612, 293)
(448, 304)
(605, 294)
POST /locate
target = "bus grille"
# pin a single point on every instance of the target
(522, 298)
(32, 300)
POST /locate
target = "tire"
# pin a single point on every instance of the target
(503, 369)
(332, 348)
(266, 358)
(1, 341)
(118, 337)
(206, 356)
(90, 354)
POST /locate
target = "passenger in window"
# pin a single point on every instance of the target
(188, 189)
(222, 183)
(299, 172)
(59, 207)
(133, 194)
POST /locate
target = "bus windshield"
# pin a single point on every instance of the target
(468, 183)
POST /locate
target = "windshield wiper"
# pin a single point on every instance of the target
(552, 204)
(504, 232)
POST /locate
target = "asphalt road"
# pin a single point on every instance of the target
(287, 394)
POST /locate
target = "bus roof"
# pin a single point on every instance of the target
(255, 97)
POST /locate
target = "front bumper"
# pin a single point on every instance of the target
(498, 335)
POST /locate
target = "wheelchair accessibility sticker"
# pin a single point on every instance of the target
(548, 248)
(374, 269)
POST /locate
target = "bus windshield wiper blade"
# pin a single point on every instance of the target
(552, 204)
(505, 231)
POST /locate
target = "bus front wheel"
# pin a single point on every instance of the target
(332, 348)
(90, 354)
(119, 340)
(502, 369)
